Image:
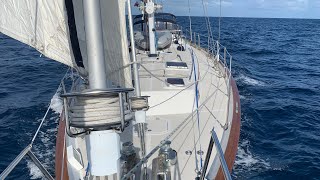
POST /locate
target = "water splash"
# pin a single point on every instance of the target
(247, 161)
(242, 97)
(35, 172)
(56, 102)
(250, 81)
(44, 146)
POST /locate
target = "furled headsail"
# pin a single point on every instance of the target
(56, 29)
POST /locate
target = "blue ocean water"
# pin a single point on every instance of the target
(277, 69)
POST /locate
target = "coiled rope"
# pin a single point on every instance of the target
(89, 112)
(139, 103)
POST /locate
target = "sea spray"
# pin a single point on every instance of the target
(45, 148)
(56, 102)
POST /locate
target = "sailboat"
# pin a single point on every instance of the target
(147, 100)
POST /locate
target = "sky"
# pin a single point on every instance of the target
(246, 8)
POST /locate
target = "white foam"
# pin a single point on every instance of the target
(56, 102)
(242, 97)
(44, 149)
(250, 81)
(34, 171)
(246, 161)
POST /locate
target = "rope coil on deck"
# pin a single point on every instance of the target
(90, 112)
(139, 103)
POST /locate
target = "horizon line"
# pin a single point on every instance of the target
(307, 18)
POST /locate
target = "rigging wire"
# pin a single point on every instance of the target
(208, 24)
(186, 121)
(49, 107)
(143, 160)
(190, 22)
(219, 22)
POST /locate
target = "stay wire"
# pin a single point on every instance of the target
(190, 22)
(46, 114)
(219, 22)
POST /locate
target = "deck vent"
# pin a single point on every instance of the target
(177, 65)
(175, 82)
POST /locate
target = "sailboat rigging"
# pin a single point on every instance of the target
(152, 112)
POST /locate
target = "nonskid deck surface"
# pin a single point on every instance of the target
(171, 105)
(164, 118)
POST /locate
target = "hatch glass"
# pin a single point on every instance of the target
(175, 81)
(177, 65)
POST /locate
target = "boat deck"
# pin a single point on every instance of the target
(172, 90)
(171, 105)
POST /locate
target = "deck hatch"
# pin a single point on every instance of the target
(177, 65)
(175, 81)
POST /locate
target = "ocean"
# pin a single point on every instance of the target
(276, 64)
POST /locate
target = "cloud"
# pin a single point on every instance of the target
(224, 3)
(181, 7)
(244, 8)
(298, 4)
(295, 5)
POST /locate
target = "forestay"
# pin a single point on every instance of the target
(56, 29)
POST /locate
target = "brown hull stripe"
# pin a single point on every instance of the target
(232, 146)
(60, 149)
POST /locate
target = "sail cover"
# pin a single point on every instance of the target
(56, 29)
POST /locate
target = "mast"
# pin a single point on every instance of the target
(150, 9)
(94, 40)
(103, 147)
(152, 31)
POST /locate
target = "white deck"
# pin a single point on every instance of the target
(163, 118)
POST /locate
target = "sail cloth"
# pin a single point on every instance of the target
(40, 24)
(56, 29)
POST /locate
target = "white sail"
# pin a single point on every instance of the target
(56, 29)
(40, 24)
(114, 35)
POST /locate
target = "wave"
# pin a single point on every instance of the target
(262, 52)
(246, 161)
(44, 146)
(35, 172)
(44, 151)
(250, 81)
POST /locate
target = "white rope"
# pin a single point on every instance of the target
(139, 103)
(97, 110)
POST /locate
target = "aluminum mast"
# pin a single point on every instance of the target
(101, 164)
(150, 9)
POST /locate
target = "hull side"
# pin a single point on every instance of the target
(232, 146)
(61, 170)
